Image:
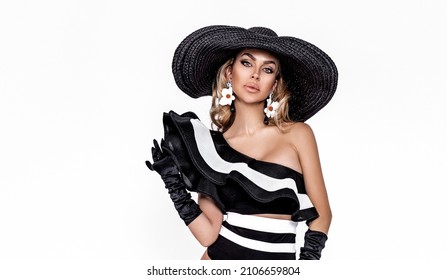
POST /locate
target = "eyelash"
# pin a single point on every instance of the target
(245, 63)
(267, 70)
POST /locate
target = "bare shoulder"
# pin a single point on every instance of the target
(302, 137)
(299, 133)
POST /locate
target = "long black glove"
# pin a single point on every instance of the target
(314, 242)
(164, 165)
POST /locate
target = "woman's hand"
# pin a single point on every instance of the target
(164, 165)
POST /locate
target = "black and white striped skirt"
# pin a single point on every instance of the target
(249, 237)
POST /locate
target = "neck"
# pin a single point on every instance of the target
(249, 118)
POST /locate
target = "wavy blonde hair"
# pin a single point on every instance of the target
(222, 117)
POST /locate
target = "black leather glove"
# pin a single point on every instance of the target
(314, 242)
(164, 165)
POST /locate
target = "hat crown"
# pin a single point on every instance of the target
(310, 74)
(263, 31)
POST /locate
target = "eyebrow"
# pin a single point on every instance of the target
(253, 58)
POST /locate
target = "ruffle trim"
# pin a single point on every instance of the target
(207, 162)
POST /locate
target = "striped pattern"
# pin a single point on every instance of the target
(254, 237)
(261, 223)
(275, 228)
(209, 154)
(211, 163)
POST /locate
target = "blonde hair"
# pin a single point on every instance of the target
(223, 118)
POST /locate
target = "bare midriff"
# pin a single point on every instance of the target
(275, 216)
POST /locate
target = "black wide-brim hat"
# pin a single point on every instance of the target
(310, 74)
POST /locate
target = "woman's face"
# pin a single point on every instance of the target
(253, 75)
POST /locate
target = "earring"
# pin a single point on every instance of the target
(270, 108)
(266, 119)
(227, 96)
(232, 109)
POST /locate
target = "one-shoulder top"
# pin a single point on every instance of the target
(236, 182)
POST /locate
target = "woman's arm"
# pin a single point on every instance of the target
(204, 220)
(206, 227)
(307, 149)
(315, 238)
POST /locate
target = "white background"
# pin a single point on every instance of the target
(83, 85)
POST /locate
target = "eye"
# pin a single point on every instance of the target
(268, 70)
(245, 63)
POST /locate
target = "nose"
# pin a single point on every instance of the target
(255, 76)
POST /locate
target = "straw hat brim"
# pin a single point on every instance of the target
(310, 74)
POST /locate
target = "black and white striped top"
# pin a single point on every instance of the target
(210, 166)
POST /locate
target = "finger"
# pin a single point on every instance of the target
(156, 145)
(149, 165)
(156, 154)
(156, 151)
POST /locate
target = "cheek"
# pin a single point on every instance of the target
(269, 82)
(240, 72)
(239, 78)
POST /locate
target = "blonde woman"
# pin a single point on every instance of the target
(258, 172)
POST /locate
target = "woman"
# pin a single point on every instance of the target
(258, 174)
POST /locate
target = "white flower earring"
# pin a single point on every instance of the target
(270, 108)
(227, 95)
